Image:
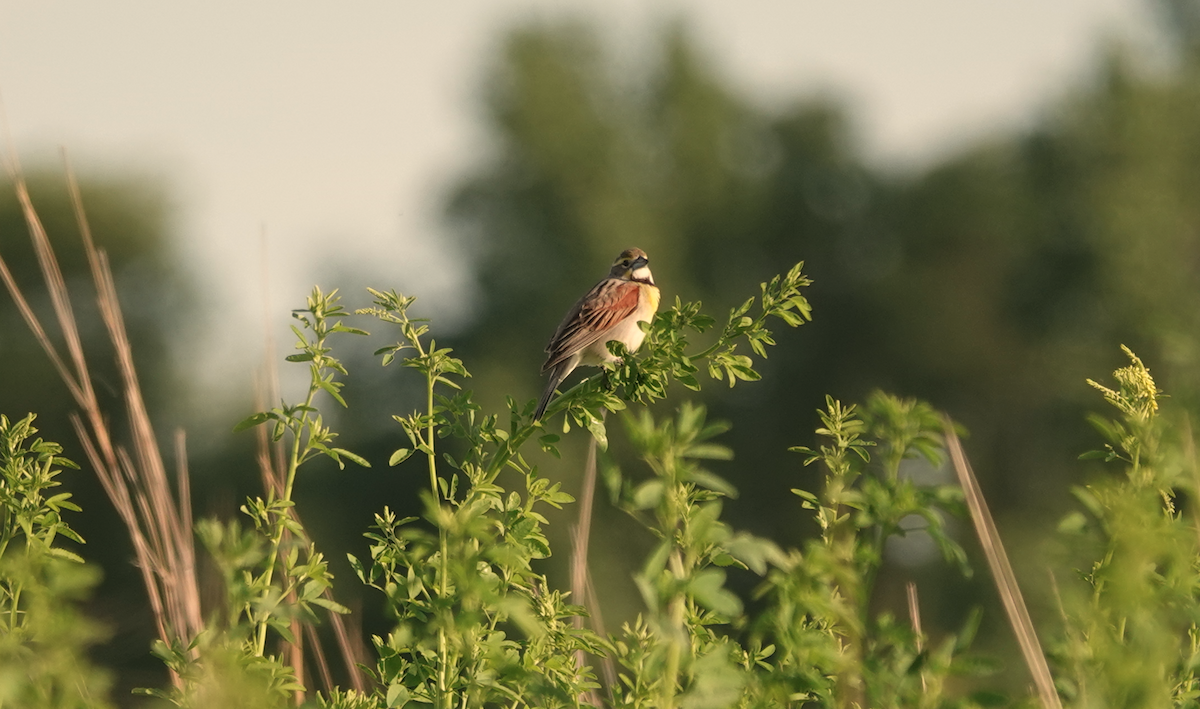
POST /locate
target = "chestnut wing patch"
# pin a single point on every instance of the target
(606, 305)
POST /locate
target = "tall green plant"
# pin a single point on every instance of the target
(672, 655)
(827, 647)
(272, 574)
(463, 584)
(308, 437)
(44, 639)
(1133, 613)
(459, 585)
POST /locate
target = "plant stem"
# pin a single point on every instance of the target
(277, 532)
(674, 648)
(14, 613)
(443, 698)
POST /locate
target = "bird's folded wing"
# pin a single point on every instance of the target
(606, 305)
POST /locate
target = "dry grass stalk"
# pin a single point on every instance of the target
(160, 529)
(597, 622)
(582, 590)
(322, 664)
(351, 648)
(1006, 580)
(914, 616)
(579, 553)
(582, 531)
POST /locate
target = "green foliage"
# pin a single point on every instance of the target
(476, 624)
(1132, 618)
(272, 602)
(826, 645)
(29, 514)
(273, 575)
(664, 357)
(672, 656)
(218, 669)
(44, 639)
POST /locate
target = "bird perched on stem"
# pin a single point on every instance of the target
(611, 310)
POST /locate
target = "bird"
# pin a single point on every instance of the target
(611, 310)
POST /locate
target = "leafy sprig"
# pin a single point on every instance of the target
(268, 600)
(459, 580)
(664, 356)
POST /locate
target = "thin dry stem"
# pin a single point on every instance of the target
(119, 496)
(597, 622)
(579, 553)
(914, 616)
(184, 485)
(296, 653)
(39, 334)
(176, 549)
(582, 536)
(351, 649)
(56, 287)
(1006, 580)
(319, 655)
(163, 543)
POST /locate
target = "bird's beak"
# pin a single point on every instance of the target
(638, 263)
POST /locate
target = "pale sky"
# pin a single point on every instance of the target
(341, 125)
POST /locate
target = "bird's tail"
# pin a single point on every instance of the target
(557, 375)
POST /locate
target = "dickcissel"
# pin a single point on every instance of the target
(611, 310)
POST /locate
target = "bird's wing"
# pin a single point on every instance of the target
(607, 304)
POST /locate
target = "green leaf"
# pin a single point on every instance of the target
(648, 494)
(1074, 523)
(349, 330)
(251, 421)
(400, 456)
(331, 605)
(708, 589)
(332, 389)
(709, 451)
(754, 552)
(596, 427)
(714, 482)
(397, 696)
(352, 456)
(60, 553)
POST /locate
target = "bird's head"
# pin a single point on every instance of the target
(632, 265)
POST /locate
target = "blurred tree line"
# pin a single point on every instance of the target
(990, 283)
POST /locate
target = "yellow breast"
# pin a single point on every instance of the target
(649, 301)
